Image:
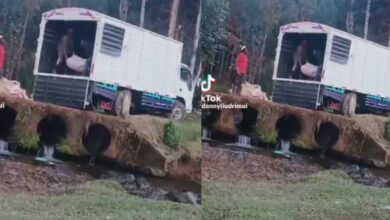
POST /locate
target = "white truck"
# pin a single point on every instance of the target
(343, 72)
(115, 67)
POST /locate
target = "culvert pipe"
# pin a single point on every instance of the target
(96, 139)
(210, 116)
(288, 127)
(52, 130)
(327, 135)
(248, 121)
(7, 121)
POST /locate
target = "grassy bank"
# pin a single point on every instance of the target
(190, 133)
(328, 195)
(94, 200)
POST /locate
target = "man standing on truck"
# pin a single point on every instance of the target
(2, 56)
(241, 69)
(65, 50)
(300, 58)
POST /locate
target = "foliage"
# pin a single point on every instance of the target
(221, 88)
(387, 130)
(26, 140)
(190, 133)
(172, 135)
(266, 136)
(326, 195)
(213, 31)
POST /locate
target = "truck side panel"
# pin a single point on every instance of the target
(147, 62)
(366, 71)
(106, 67)
(159, 67)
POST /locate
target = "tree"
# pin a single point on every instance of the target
(196, 39)
(67, 3)
(350, 21)
(367, 19)
(213, 29)
(173, 18)
(142, 16)
(123, 10)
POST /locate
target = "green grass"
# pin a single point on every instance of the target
(190, 133)
(328, 195)
(94, 200)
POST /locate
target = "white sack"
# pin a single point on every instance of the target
(309, 70)
(76, 63)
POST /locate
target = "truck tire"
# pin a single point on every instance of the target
(178, 112)
(349, 104)
(123, 103)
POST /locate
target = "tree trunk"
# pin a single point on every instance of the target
(350, 21)
(199, 72)
(142, 16)
(388, 41)
(367, 19)
(123, 9)
(173, 18)
(21, 45)
(67, 3)
(196, 38)
(262, 52)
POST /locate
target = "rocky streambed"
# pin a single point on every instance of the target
(23, 174)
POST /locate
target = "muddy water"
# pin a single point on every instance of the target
(97, 171)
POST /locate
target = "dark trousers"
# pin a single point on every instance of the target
(238, 80)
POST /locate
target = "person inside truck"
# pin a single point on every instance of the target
(241, 70)
(307, 64)
(65, 50)
(2, 56)
(299, 58)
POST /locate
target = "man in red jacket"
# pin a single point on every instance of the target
(2, 56)
(241, 70)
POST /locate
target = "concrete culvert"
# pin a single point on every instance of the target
(210, 116)
(288, 127)
(7, 121)
(52, 129)
(96, 139)
(327, 135)
(249, 120)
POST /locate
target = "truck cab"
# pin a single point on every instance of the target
(183, 102)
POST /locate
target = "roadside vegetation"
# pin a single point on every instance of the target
(185, 135)
(326, 195)
(93, 200)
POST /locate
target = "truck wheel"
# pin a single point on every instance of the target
(179, 111)
(349, 104)
(123, 103)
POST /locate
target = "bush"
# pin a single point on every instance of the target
(221, 88)
(387, 131)
(171, 135)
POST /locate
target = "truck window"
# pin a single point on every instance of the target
(340, 50)
(112, 41)
(185, 76)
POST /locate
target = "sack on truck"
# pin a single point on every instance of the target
(76, 63)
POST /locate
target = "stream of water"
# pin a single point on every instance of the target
(3, 146)
(206, 134)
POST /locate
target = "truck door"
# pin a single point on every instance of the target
(186, 89)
